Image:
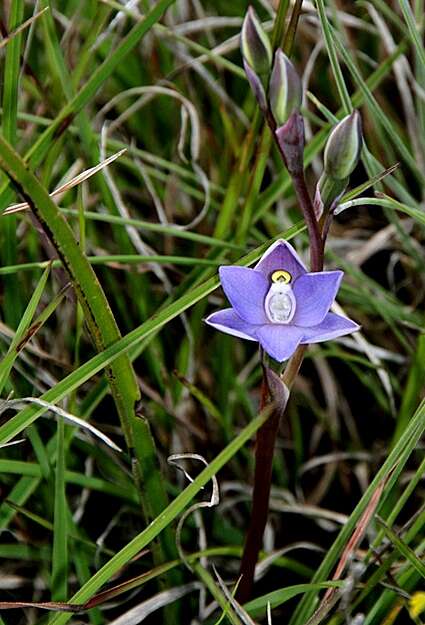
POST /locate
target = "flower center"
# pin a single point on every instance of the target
(280, 301)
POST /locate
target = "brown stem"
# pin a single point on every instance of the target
(265, 441)
(264, 451)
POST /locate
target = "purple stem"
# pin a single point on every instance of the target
(267, 434)
(304, 199)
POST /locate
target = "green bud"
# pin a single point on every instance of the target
(255, 44)
(285, 91)
(343, 148)
(342, 154)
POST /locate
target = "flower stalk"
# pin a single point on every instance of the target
(280, 108)
(264, 451)
(264, 448)
(289, 141)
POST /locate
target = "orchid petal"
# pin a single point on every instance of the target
(279, 341)
(281, 255)
(315, 294)
(228, 321)
(246, 290)
(256, 86)
(331, 327)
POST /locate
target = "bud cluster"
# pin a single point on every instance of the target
(278, 90)
(278, 77)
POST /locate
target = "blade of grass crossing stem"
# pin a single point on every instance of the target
(407, 492)
(12, 296)
(398, 457)
(7, 363)
(60, 533)
(72, 381)
(407, 578)
(381, 571)
(170, 513)
(97, 312)
(38, 150)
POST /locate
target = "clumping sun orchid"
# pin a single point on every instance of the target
(280, 304)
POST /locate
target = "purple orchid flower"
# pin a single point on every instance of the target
(280, 304)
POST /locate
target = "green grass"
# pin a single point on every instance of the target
(104, 291)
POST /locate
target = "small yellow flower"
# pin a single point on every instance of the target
(416, 604)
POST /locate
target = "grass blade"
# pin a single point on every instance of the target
(60, 530)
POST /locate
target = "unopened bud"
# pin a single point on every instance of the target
(290, 137)
(343, 148)
(255, 44)
(285, 91)
(256, 86)
(342, 154)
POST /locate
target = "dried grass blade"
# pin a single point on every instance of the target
(84, 175)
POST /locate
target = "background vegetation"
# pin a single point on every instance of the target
(136, 246)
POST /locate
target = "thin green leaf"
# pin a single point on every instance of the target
(7, 363)
(60, 530)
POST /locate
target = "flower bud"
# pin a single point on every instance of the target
(256, 86)
(290, 137)
(342, 154)
(255, 44)
(343, 148)
(285, 91)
